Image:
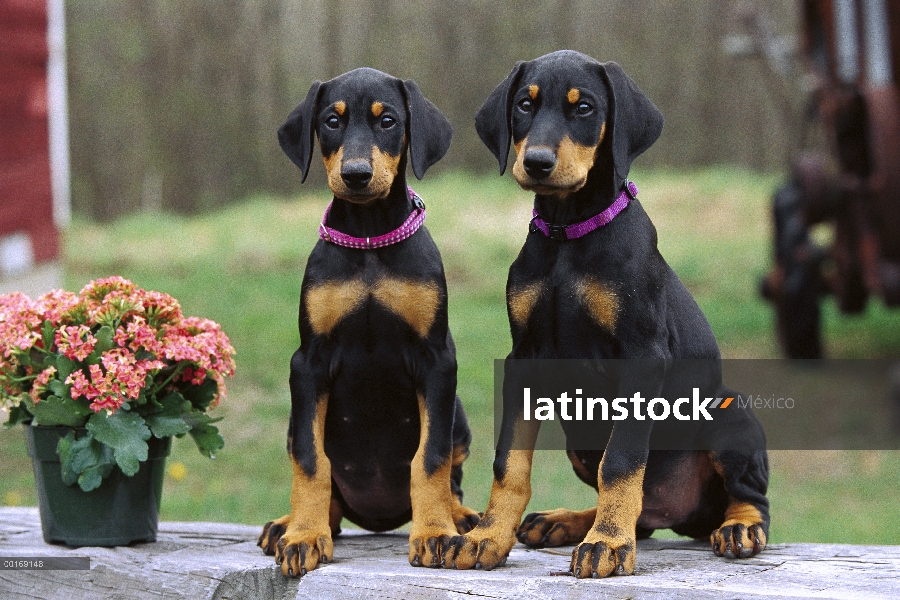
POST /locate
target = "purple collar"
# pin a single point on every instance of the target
(561, 233)
(409, 227)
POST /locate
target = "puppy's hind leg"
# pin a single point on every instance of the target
(744, 532)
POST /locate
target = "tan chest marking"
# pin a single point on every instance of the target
(328, 303)
(415, 302)
(521, 302)
(601, 302)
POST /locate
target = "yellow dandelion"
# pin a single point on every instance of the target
(177, 471)
(12, 499)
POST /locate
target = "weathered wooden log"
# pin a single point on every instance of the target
(221, 560)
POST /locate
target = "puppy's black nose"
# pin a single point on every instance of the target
(539, 162)
(356, 174)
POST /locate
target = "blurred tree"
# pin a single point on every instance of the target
(175, 104)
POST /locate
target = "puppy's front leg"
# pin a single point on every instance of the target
(302, 539)
(489, 543)
(609, 546)
(430, 490)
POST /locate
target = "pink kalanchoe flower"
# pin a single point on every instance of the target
(75, 342)
(138, 334)
(145, 324)
(160, 308)
(20, 322)
(81, 386)
(99, 288)
(54, 305)
(194, 376)
(40, 383)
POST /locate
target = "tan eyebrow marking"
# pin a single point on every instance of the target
(573, 96)
(340, 107)
(533, 90)
(377, 108)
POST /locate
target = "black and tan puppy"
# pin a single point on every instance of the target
(603, 291)
(377, 433)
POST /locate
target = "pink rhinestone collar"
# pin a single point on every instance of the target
(409, 227)
(561, 233)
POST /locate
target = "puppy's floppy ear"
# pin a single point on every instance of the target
(635, 121)
(429, 130)
(297, 134)
(492, 121)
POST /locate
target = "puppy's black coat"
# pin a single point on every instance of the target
(576, 126)
(377, 433)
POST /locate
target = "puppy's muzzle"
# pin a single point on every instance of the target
(356, 174)
(539, 162)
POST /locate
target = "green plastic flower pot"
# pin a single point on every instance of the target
(121, 511)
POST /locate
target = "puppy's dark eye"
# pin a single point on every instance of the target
(332, 122)
(584, 108)
(525, 105)
(387, 122)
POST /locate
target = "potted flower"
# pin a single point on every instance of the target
(103, 380)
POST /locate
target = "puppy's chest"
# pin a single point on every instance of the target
(561, 297)
(363, 301)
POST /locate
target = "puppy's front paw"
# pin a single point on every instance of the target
(271, 533)
(301, 551)
(554, 527)
(738, 540)
(481, 548)
(465, 519)
(428, 546)
(601, 556)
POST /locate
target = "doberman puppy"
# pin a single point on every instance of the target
(589, 289)
(377, 433)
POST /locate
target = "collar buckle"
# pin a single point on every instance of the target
(557, 232)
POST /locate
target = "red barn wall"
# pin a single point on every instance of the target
(26, 201)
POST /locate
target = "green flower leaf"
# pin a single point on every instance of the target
(55, 410)
(104, 338)
(17, 415)
(50, 361)
(205, 435)
(169, 421)
(208, 439)
(126, 433)
(65, 366)
(58, 388)
(84, 460)
(93, 476)
(48, 334)
(201, 396)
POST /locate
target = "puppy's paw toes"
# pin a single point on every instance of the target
(271, 533)
(465, 519)
(477, 550)
(554, 528)
(738, 540)
(428, 548)
(602, 558)
(302, 551)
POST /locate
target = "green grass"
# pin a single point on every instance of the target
(243, 265)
